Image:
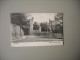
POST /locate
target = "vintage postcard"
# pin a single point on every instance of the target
(36, 29)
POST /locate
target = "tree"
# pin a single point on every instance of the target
(44, 26)
(35, 26)
(18, 19)
(59, 25)
(59, 16)
(26, 27)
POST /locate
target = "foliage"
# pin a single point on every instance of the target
(59, 16)
(20, 20)
(44, 26)
(59, 25)
(35, 26)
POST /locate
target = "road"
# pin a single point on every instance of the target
(33, 38)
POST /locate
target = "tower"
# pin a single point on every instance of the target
(31, 25)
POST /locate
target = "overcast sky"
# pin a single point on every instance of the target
(41, 17)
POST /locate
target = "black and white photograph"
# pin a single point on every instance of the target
(36, 29)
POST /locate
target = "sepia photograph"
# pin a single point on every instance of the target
(36, 29)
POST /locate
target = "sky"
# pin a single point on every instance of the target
(41, 17)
